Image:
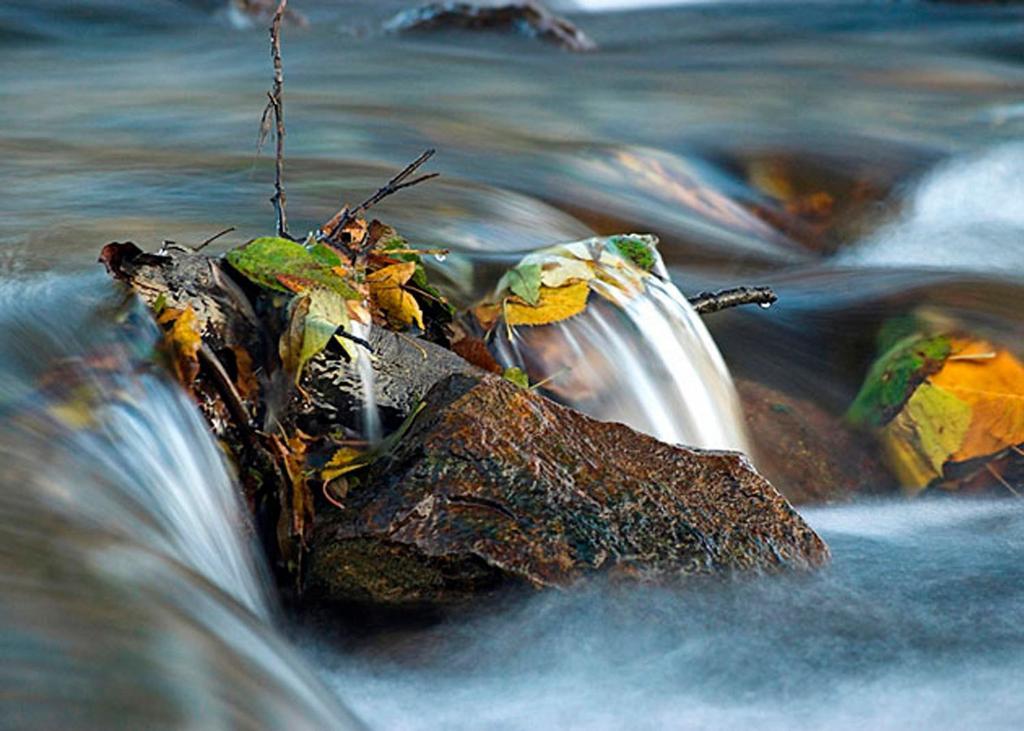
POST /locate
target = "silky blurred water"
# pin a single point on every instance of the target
(712, 125)
(914, 626)
(131, 593)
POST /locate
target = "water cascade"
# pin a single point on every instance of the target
(130, 595)
(640, 356)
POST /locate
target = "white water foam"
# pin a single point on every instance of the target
(966, 215)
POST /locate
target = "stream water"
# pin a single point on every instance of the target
(130, 595)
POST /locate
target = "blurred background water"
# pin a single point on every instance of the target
(863, 158)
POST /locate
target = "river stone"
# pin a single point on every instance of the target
(527, 18)
(403, 370)
(495, 485)
(809, 454)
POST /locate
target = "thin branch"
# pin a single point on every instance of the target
(275, 105)
(708, 302)
(222, 382)
(330, 230)
(992, 471)
(213, 238)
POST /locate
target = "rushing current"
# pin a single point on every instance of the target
(131, 594)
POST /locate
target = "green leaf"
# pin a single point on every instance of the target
(517, 376)
(524, 282)
(637, 248)
(283, 265)
(314, 318)
(324, 254)
(895, 375)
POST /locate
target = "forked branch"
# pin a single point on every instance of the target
(329, 231)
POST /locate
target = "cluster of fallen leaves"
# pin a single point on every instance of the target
(948, 409)
(555, 284)
(333, 290)
(327, 290)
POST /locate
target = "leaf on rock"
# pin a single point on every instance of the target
(327, 313)
(301, 497)
(638, 248)
(387, 294)
(325, 254)
(944, 407)
(923, 435)
(552, 284)
(554, 305)
(313, 320)
(245, 378)
(474, 350)
(487, 314)
(288, 266)
(894, 376)
(991, 382)
(566, 271)
(343, 461)
(517, 376)
(289, 346)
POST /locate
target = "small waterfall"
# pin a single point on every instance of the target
(372, 429)
(641, 358)
(130, 593)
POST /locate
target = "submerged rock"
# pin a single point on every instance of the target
(494, 484)
(527, 18)
(810, 455)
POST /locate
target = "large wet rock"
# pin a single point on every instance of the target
(808, 453)
(494, 484)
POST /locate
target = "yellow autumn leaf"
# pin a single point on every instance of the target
(386, 292)
(923, 435)
(343, 461)
(990, 381)
(184, 340)
(555, 304)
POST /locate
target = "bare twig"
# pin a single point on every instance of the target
(708, 302)
(992, 471)
(330, 230)
(213, 238)
(275, 106)
(222, 382)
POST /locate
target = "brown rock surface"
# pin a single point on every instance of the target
(809, 454)
(496, 484)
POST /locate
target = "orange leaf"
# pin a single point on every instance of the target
(991, 381)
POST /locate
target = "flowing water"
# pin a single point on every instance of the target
(130, 595)
(643, 358)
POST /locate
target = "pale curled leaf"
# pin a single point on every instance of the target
(313, 320)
